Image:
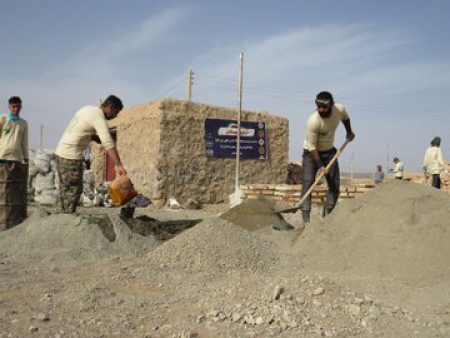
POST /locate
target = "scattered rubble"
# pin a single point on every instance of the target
(376, 267)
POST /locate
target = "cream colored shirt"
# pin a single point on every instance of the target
(13, 139)
(320, 131)
(433, 162)
(87, 122)
(399, 169)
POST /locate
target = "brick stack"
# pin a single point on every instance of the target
(291, 193)
(445, 178)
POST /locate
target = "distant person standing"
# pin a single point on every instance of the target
(433, 163)
(398, 169)
(378, 176)
(14, 163)
(87, 122)
(318, 150)
(14, 134)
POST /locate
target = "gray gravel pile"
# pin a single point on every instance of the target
(64, 237)
(218, 245)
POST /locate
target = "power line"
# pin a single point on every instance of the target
(284, 93)
(171, 88)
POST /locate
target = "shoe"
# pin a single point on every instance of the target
(282, 227)
(326, 211)
(306, 215)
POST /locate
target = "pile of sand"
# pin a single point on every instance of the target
(216, 245)
(400, 230)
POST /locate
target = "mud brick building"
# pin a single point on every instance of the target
(164, 148)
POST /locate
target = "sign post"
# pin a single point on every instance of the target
(236, 198)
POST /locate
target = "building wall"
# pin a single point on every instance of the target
(185, 171)
(98, 162)
(138, 143)
(162, 147)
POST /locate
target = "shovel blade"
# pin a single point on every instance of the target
(288, 210)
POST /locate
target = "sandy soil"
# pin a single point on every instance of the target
(376, 267)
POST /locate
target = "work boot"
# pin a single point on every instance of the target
(326, 211)
(283, 226)
(306, 215)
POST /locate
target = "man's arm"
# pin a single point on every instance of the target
(316, 158)
(441, 161)
(312, 136)
(113, 153)
(425, 164)
(348, 128)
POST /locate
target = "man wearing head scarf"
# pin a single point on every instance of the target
(319, 150)
(433, 163)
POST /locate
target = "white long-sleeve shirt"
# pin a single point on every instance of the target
(88, 121)
(433, 162)
(399, 169)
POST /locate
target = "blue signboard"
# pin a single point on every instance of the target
(221, 138)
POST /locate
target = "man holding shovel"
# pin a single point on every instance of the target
(319, 150)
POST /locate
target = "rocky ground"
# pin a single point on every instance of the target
(376, 267)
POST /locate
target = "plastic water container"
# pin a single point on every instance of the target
(121, 190)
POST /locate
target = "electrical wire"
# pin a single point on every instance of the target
(289, 94)
(171, 88)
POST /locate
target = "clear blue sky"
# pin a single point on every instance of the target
(387, 61)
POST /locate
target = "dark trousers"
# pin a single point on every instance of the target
(436, 181)
(13, 193)
(332, 177)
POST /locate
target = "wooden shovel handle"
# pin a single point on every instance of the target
(318, 179)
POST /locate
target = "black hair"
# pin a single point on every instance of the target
(436, 142)
(113, 100)
(15, 100)
(325, 96)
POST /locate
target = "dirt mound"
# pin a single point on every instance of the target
(69, 237)
(399, 230)
(255, 214)
(217, 245)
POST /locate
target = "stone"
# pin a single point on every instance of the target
(354, 310)
(278, 290)
(318, 291)
(159, 203)
(43, 317)
(259, 321)
(236, 317)
(192, 204)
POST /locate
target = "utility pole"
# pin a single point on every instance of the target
(387, 158)
(41, 137)
(190, 83)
